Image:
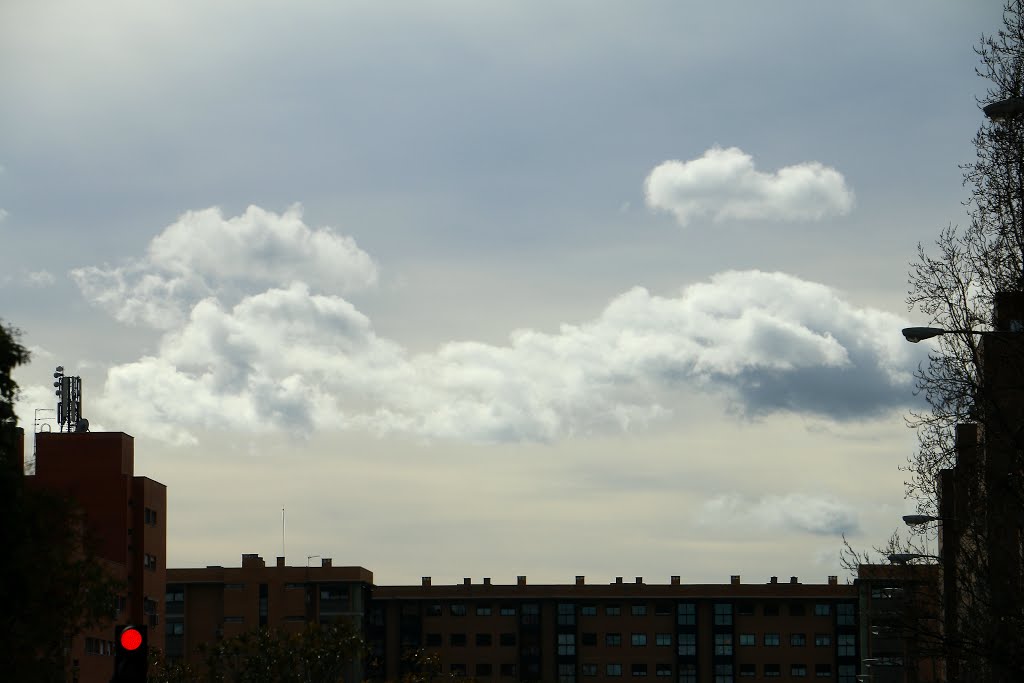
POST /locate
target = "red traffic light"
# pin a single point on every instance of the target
(131, 639)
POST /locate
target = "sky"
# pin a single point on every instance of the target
(489, 289)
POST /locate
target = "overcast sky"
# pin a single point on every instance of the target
(489, 288)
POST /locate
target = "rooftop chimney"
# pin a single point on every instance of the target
(487, 581)
(775, 579)
(579, 580)
(252, 560)
(618, 579)
(325, 562)
(833, 580)
(520, 580)
(467, 581)
(734, 579)
(675, 580)
(794, 579)
(426, 580)
(639, 579)
(280, 562)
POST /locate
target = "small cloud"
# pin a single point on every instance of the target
(724, 184)
(40, 278)
(794, 512)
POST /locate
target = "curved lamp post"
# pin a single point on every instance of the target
(905, 558)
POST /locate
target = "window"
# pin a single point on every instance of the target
(566, 673)
(457, 669)
(150, 517)
(748, 670)
(507, 611)
(149, 606)
(798, 670)
(639, 669)
(457, 609)
(588, 611)
(847, 673)
(662, 608)
(845, 614)
(175, 628)
(771, 639)
(796, 609)
(745, 608)
(433, 640)
(686, 614)
(847, 644)
(457, 639)
(149, 562)
(822, 610)
(566, 614)
(175, 593)
(507, 639)
(822, 640)
(589, 669)
(723, 614)
(613, 670)
(662, 639)
(723, 673)
(613, 639)
(638, 639)
(663, 670)
(771, 610)
(747, 639)
(723, 644)
(483, 639)
(483, 669)
(589, 639)
(508, 670)
(612, 610)
(566, 643)
(772, 671)
(687, 673)
(823, 670)
(687, 644)
(483, 610)
(434, 610)
(530, 614)
(638, 611)
(797, 639)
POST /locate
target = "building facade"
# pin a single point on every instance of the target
(126, 516)
(584, 632)
(205, 605)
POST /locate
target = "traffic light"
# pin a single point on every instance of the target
(131, 654)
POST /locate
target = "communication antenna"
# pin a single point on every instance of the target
(69, 402)
(282, 533)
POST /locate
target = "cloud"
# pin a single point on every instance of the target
(794, 512)
(26, 278)
(724, 184)
(204, 254)
(296, 358)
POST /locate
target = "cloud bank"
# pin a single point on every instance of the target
(724, 184)
(236, 353)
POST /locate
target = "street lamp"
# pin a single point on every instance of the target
(1005, 109)
(915, 520)
(916, 334)
(904, 558)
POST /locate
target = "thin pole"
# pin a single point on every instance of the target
(282, 532)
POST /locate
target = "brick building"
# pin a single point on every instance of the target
(210, 603)
(126, 515)
(620, 631)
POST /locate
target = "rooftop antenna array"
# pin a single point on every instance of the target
(69, 402)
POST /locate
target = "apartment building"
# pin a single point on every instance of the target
(207, 604)
(580, 632)
(126, 515)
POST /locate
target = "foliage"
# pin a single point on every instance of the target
(317, 654)
(51, 585)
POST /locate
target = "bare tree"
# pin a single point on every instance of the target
(972, 284)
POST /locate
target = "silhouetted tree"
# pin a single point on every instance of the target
(317, 654)
(51, 586)
(973, 379)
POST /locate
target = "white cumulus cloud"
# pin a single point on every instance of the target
(724, 184)
(205, 254)
(295, 357)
